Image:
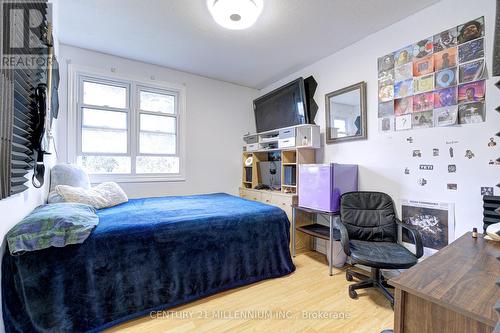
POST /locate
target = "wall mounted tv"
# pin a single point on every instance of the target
(283, 107)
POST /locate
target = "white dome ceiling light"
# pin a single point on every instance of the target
(235, 14)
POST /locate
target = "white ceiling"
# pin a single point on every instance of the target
(182, 35)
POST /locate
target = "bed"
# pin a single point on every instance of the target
(145, 255)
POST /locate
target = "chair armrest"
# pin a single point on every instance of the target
(344, 236)
(417, 238)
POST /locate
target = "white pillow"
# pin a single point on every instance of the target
(104, 195)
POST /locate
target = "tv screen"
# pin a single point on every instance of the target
(283, 107)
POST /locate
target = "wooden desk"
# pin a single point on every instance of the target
(315, 229)
(452, 291)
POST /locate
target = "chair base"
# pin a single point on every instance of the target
(376, 280)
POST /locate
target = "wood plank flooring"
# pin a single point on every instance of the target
(308, 300)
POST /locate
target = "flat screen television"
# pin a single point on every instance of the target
(283, 107)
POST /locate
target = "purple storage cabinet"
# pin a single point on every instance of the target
(321, 185)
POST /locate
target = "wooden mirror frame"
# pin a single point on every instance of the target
(361, 86)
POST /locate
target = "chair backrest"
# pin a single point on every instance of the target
(369, 216)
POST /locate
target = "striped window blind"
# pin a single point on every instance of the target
(19, 113)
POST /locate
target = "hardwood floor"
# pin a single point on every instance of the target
(308, 300)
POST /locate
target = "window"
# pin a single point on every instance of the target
(126, 129)
(340, 127)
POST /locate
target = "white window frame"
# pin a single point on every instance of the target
(76, 75)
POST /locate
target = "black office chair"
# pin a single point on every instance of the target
(369, 236)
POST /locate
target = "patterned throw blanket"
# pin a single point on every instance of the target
(50, 225)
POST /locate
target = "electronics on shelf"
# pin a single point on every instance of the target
(300, 136)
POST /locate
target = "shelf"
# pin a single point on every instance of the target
(319, 230)
(247, 182)
(284, 185)
(289, 163)
(315, 211)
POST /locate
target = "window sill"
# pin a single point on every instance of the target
(94, 179)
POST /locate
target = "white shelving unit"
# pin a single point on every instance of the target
(300, 136)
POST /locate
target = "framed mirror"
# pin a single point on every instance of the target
(346, 114)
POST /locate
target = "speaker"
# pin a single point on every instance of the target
(310, 86)
(491, 204)
(290, 175)
(248, 174)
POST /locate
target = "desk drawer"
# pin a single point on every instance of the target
(282, 202)
(267, 198)
(251, 195)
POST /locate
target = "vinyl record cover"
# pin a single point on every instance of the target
(471, 50)
(423, 102)
(445, 39)
(422, 119)
(423, 66)
(386, 93)
(446, 78)
(446, 116)
(471, 30)
(423, 83)
(423, 48)
(403, 88)
(386, 109)
(403, 105)
(386, 124)
(403, 56)
(403, 72)
(445, 97)
(403, 122)
(472, 71)
(471, 113)
(471, 92)
(445, 59)
(386, 77)
(386, 62)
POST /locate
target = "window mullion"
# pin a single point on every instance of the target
(134, 127)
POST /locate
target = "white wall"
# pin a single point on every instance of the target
(218, 115)
(383, 157)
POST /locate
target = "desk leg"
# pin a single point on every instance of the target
(293, 231)
(331, 246)
(399, 300)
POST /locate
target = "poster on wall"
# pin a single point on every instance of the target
(435, 222)
(434, 78)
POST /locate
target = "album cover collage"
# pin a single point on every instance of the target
(438, 81)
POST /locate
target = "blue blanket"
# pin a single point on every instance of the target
(145, 255)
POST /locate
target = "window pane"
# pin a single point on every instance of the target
(104, 164)
(157, 164)
(106, 119)
(104, 95)
(157, 143)
(95, 140)
(157, 102)
(157, 123)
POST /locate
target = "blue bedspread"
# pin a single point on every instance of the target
(147, 254)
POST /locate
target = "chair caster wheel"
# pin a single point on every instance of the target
(348, 276)
(352, 293)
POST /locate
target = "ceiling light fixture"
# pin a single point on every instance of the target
(235, 14)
